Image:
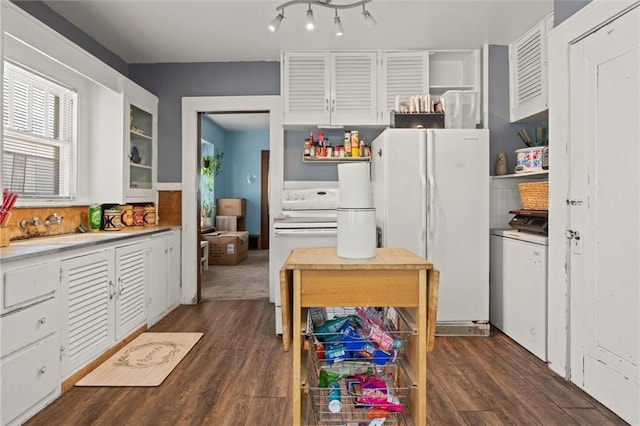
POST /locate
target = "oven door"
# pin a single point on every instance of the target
(284, 241)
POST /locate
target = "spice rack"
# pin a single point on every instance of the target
(395, 277)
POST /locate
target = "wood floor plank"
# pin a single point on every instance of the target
(237, 374)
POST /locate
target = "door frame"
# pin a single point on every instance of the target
(191, 106)
(593, 16)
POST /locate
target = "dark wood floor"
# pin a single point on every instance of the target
(237, 374)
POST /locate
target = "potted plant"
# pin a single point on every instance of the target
(210, 166)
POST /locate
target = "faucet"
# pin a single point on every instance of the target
(53, 219)
(35, 221)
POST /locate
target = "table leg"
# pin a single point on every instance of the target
(297, 347)
(422, 344)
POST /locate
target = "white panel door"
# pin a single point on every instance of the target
(305, 87)
(402, 74)
(174, 265)
(87, 315)
(605, 214)
(156, 278)
(130, 278)
(354, 88)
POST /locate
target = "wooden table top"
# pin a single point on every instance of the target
(327, 259)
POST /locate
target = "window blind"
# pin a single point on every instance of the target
(38, 158)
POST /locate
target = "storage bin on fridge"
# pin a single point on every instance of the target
(460, 107)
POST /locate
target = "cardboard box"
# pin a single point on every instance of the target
(231, 206)
(231, 223)
(227, 247)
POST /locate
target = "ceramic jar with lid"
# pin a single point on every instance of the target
(149, 215)
(138, 215)
(126, 216)
(111, 219)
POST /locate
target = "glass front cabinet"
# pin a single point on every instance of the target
(140, 171)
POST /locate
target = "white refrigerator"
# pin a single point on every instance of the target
(431, 195)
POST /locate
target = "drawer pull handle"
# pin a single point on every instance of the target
(42, 320)
(42, 370)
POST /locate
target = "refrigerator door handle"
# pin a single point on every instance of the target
(431, 184)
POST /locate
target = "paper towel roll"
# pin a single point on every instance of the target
(356, 233)
(355, 186)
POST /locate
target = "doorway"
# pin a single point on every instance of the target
(191, 107)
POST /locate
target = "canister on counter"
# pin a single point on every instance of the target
(126, 215)
(149, 215)
(111, 219)
(138, 215)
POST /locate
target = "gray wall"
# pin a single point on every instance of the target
(45, 14)
(562, 9)
(170, 82)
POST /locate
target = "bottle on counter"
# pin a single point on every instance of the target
(355, 144)
(347, 143)
(307, 148)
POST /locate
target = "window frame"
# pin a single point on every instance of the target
(63, 139)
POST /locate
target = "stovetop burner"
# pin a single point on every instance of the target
(534, 221)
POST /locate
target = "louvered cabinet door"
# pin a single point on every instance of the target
(130, 279)
(87, 314)
(528, 73)
(354, 89)
(403, 74)
(305, 87)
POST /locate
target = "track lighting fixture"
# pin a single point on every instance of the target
(337, 25)
(273, 26)
(368, 18)
(309, 21)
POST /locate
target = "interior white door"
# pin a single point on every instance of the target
(604, 214)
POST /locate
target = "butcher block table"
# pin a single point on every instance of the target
(395, 277)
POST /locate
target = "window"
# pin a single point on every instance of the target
(39, 145)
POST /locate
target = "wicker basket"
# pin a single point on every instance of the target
(535, 195)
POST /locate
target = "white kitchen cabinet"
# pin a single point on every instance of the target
(528, 79)
(163, 275)
(29, 331)
(140, 141)
(518, 275)
(402, 74)
(130, 287)
(330, 88)
(174, 240)
(102, 302)
(123, 144)
(453, 70)
(88, 315)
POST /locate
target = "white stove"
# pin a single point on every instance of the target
(309, 219)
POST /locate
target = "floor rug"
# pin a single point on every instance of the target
(145, 361)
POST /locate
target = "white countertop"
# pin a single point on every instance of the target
(31, 247)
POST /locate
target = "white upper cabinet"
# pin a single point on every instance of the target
(140, 141)
(338, 88)
(402, 74)
(528, 74)
(351, 88)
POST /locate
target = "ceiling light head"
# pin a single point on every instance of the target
(371, 22)
(337, 25)
(309, 22)
(273, 26)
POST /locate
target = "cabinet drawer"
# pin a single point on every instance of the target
(30, 284)
(29, 378)
(20, 329)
